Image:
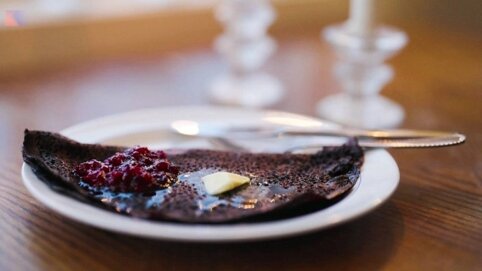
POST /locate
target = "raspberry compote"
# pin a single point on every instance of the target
(135, 170)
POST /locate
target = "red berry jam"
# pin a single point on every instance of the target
(135, 170)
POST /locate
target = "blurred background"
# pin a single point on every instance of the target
(39, 36)
(62, 62)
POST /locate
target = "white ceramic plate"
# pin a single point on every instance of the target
(379, 176)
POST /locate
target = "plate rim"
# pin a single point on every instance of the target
(205, 233)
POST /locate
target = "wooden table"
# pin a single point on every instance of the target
(432, 222)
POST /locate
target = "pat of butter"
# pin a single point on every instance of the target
(221, 182)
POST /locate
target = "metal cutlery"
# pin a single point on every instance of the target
(227, 135)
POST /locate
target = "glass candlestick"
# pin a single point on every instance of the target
(361, 73)
(245, 46)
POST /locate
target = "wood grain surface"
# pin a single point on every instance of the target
(432, 222)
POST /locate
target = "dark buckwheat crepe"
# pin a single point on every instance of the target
(281, 185)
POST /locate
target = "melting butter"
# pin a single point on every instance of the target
(221, 182)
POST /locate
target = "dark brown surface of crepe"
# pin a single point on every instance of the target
(282, 185)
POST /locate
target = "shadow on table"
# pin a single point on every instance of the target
(366, 243)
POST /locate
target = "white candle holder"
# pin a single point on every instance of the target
(361, 72)
(245, 46)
